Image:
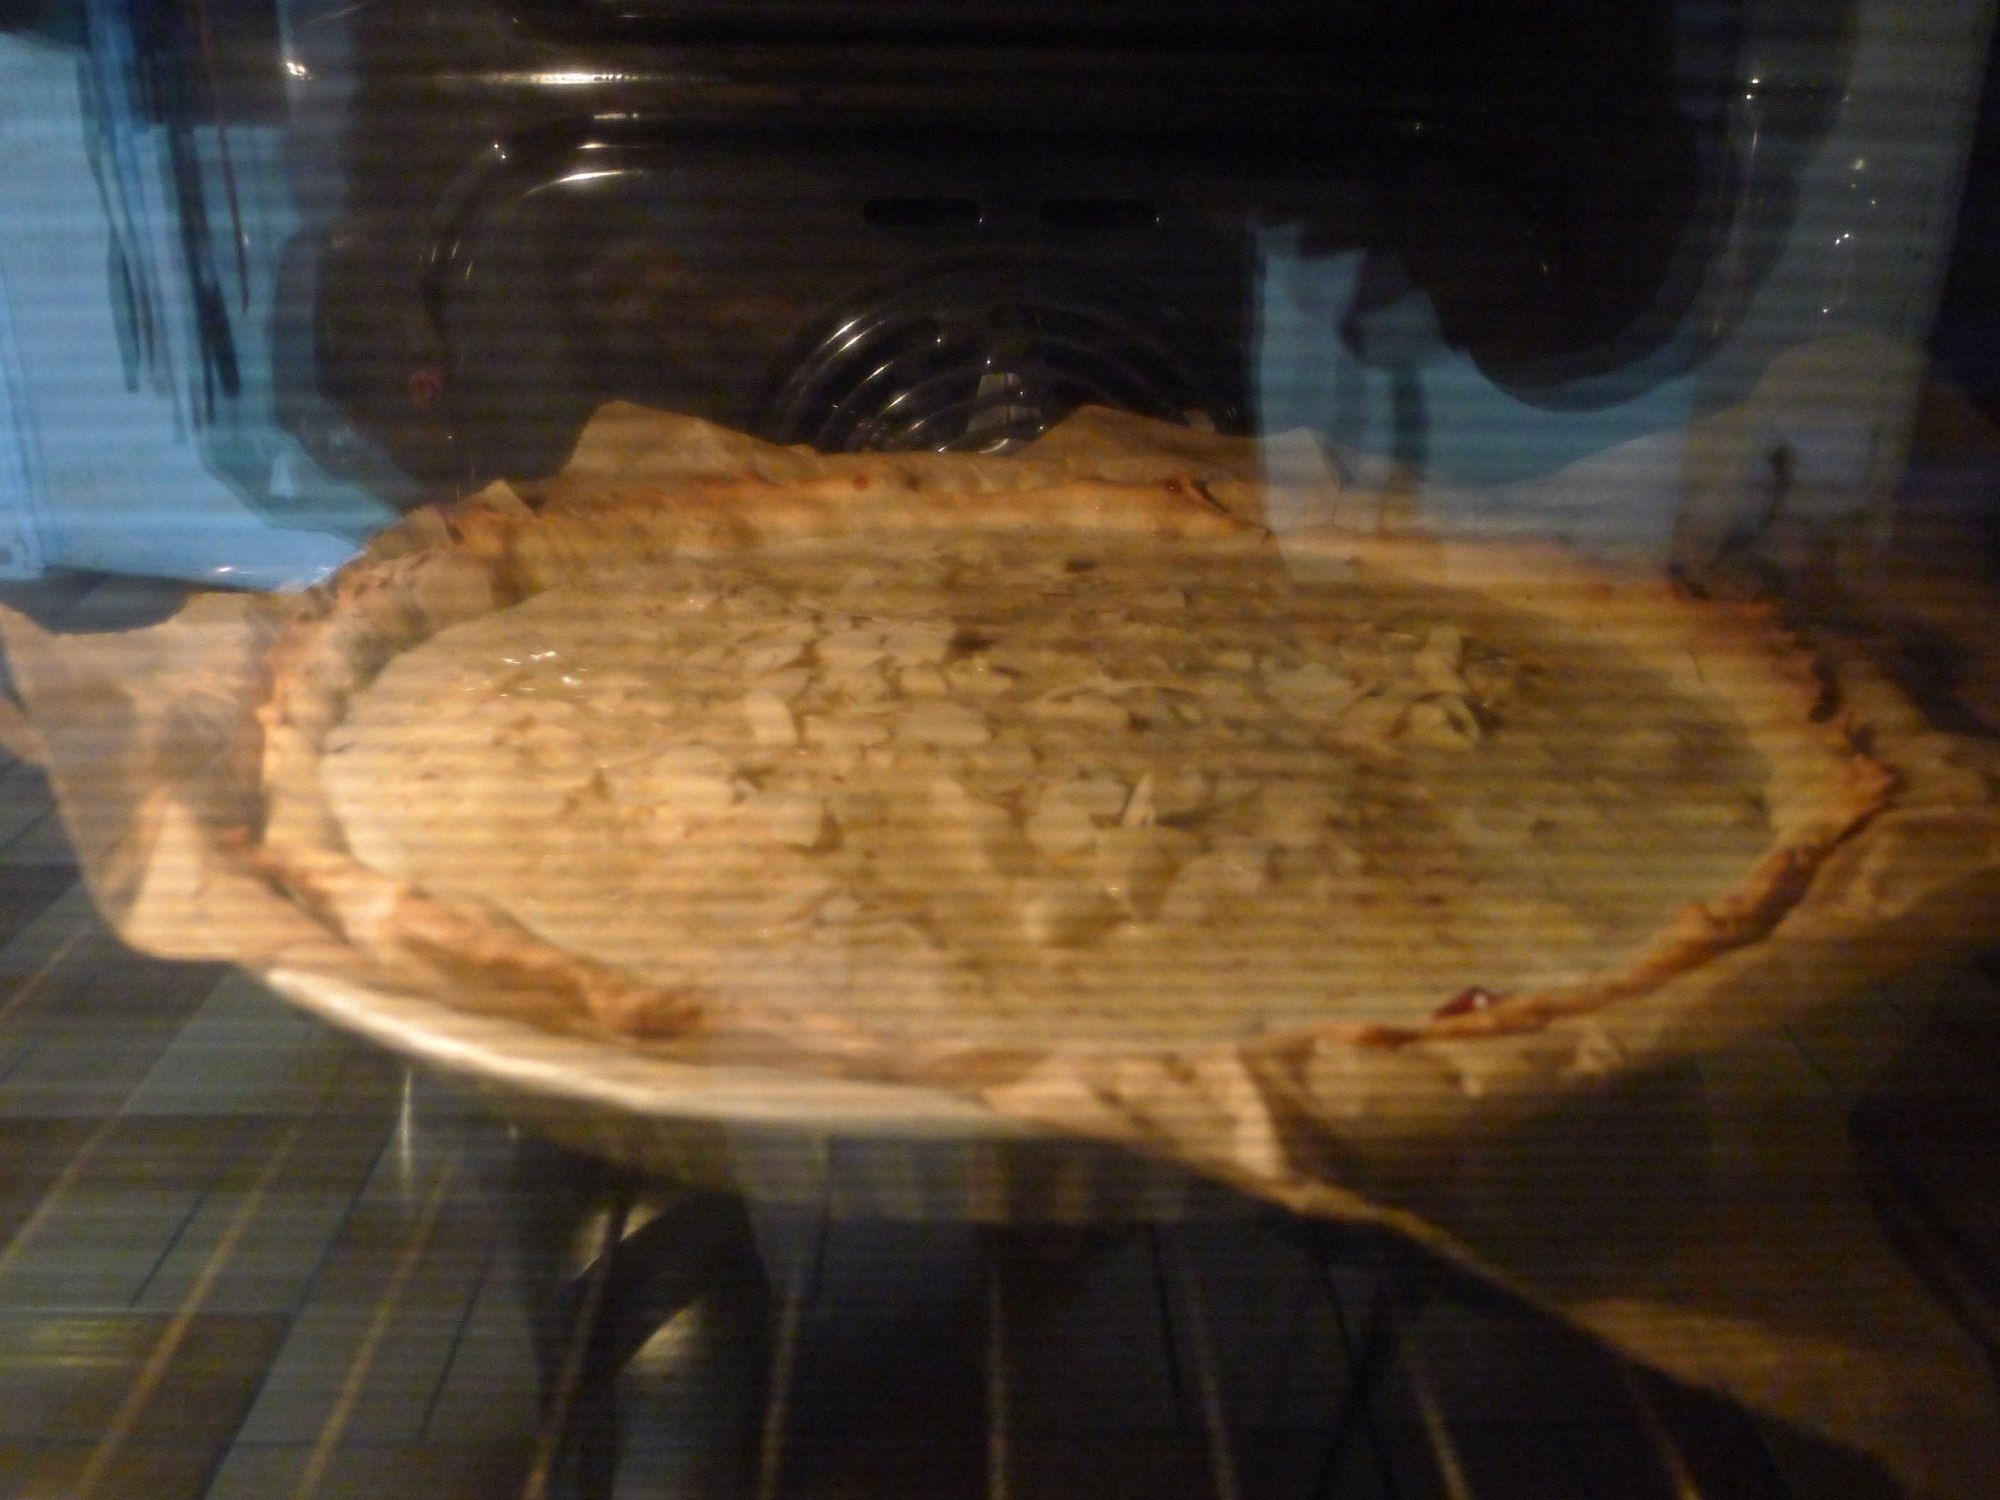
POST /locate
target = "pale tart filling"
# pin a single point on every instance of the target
(1062, 788)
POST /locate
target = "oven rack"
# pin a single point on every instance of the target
(1262, 1357)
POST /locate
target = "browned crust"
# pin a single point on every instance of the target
(1823, 788)
(490, 550)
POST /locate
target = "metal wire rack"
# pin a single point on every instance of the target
(700, 1353)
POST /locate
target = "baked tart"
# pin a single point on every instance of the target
(853, 766)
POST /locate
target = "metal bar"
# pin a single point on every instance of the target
(576, 1354)
(1673, 1467)
(1207, 1377)
(1167, 1323)
(1365, 1361)
(1938, 1252)
(800, 1279)
(1437, 1433)
(997, 1409)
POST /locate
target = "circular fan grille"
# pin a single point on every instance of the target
(985, 360)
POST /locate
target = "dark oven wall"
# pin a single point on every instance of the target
(873, 225)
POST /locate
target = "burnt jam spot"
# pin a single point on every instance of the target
(1080, 565)
(1467, 1002)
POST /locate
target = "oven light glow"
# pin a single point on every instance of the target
(589, 176)
(297, 69)
(1860, 162)
(573, 80)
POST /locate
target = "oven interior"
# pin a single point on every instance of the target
(875, 225)
(879, 227)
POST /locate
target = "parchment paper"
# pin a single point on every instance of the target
(1761, 1271)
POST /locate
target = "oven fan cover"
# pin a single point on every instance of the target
(984, 359)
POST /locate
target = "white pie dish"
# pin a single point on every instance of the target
(850, 1147)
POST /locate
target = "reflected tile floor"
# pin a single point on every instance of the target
(242, 1256)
